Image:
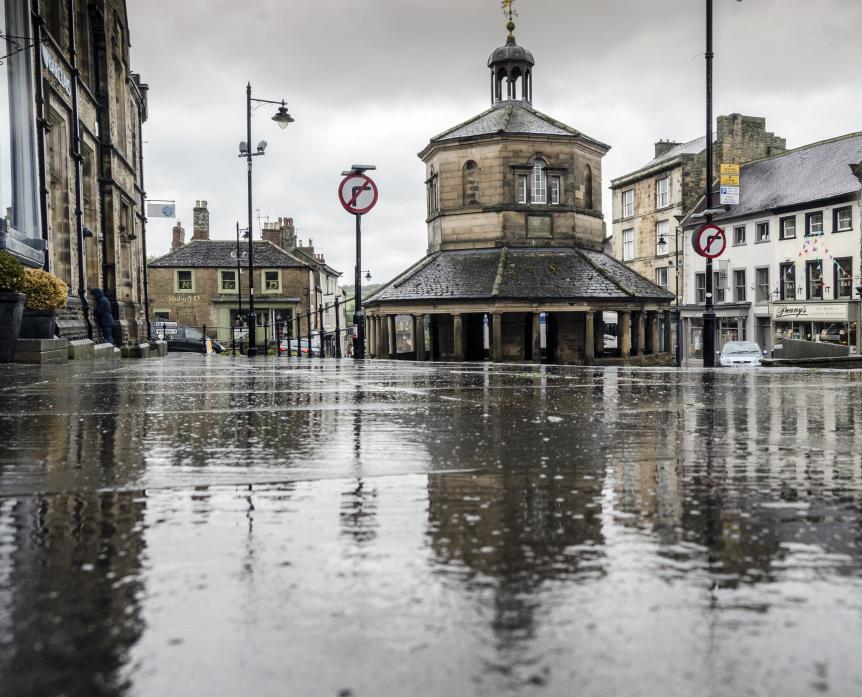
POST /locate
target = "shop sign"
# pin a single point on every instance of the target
(805, 312)
(54, 67)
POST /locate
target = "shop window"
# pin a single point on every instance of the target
(271, 281)
(739, 235)
(787, 281)
(762, 292)
(662, 245)
(814, 280)
(843, 283)
(842, 219)
(20, 231)
(700, 288)
(813, 224)
(227, 281)
(739, 286)
(184, 281)
(628, 244)
(628, 203)
(787, 228)
(763, 232)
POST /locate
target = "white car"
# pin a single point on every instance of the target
(740, 353)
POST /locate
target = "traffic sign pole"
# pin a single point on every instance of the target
(358, 320)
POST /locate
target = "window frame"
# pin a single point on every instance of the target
(759, 297)
(522, 189)
(836, 212)
(757, 227)
(221, 287)
(263, 283)
(662, 194)
(782, 227)
(740, 297)
(177, 288)
(539, 183)
(719, 293)
(700, 288)
(628, 243)
(628, 194)
(783, 282)
(556, 188)
(809, 265)
(837, 279)
(737, 242)
(664, 271)
(809, 218)
(666, 251)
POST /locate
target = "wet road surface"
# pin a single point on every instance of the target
(209, 526)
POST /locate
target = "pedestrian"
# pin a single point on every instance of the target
(104, 318)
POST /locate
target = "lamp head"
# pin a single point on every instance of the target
(261, 146)
(367, 275)
(282, 117)
(243, 148)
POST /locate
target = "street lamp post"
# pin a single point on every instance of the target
(282, 118)
(709, 308)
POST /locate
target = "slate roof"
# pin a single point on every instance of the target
(693, 147)
(512, 118)
(518, 273)
(222, 254)
(816, 172)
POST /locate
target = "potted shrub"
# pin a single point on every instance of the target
(11, 304)
(45, 295)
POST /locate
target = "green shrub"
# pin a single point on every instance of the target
(44, 290)
(11, 274)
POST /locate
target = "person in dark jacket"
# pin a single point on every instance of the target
(104, 318)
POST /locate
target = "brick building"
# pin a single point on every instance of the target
(515, 267)
(72, 179)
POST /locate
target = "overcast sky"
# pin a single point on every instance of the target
(372, 81)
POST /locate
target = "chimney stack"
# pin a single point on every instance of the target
(179, 237)
(272, 233)
(201, 224)
(664, 146)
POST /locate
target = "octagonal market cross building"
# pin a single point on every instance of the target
(515, 269)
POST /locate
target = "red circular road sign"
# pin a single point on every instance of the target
(709, 241)
(357, 193)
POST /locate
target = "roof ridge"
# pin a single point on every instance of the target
(604, 274)
(807, 146)
(403, 276)
(501, 265)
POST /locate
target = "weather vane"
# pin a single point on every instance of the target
(508, 7)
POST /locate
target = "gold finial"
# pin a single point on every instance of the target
(508, 9)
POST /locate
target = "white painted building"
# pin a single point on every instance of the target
(792, 263)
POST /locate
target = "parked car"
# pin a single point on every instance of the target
(740, 353)
(315, 347)
(189, 339)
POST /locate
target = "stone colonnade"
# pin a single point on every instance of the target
(579, 339)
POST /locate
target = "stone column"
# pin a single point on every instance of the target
(433, 334)
(589, 337)
(537, 347)
(496, 337)
(668, 332)
(419, 336)
(624, 333)
(392, 338)
(458, 336)
(383, 341)
(599, 331)
(653, 324)
(369, 336)
(641, 346)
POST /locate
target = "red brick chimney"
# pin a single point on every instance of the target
(201, 224)
(179, 236)
(272, 233)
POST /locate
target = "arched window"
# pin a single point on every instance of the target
(470, 178)
(588, 188)
(538, 183)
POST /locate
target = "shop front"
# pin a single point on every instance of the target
(731, 324)
(828, 322)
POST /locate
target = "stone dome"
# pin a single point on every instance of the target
(510, 53)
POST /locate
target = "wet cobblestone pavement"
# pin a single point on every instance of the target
(209, 526)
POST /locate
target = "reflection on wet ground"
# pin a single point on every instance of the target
(204, 526)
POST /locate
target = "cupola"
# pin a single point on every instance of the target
(511, 64)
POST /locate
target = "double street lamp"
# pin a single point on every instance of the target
(283, 119)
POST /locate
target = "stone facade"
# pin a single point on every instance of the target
(739, 139)
(102, 110)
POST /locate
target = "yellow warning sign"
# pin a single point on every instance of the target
(730, 180)
(729, 169)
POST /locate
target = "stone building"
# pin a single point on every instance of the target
(200, 282)
(325, 296)
(515, 268)
(649, 203)
(73, 196)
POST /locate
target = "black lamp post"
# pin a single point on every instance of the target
(283, 119)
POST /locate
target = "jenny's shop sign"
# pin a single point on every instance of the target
(809, 312)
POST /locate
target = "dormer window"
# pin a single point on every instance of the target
(538, 183)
